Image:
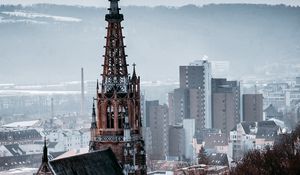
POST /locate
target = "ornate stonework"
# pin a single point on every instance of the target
(117, 124)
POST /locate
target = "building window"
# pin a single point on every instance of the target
(110, 117)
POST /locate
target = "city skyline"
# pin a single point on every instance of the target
(115, 124)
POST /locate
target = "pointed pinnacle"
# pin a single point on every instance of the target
(133, 74)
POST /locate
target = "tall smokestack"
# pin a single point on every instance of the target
(52, 113)
(52, 109)
(82, 92)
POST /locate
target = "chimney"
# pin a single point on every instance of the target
(52, 108)
(82, 93)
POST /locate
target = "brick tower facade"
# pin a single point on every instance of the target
(117, 121)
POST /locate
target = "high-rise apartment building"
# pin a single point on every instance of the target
(176, 141)
(171, 108)
(181, 105)
(225, 104)
(158, 124)
(149, 105)
(192, 99)
(252, 107)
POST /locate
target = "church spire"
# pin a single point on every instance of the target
(118, 102)
(115, 74)
(45, 152)
(45, 167)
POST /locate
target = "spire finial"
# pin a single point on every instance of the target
(114, 15)
(133, 74)
(114, 7)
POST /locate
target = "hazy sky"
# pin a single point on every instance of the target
(104, 3)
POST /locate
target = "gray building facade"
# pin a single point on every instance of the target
(192, 100)
(252, 107)
(158, 124)
(225, 104)
(176, 141)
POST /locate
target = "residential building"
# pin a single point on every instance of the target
(149, 104)
(275, 94)
(197, 78)
(252, 107)
(252, 135)
(272, 112)
(176, 140)
(225, 104)
(19, 136)
(181, 105)
(171, 102)
(189, 127)
(212, 140)
(68, 139)
(158, 122)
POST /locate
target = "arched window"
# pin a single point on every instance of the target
(121, 116)
(110, 117)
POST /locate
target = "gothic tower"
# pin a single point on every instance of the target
(118, 121)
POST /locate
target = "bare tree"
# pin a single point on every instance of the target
(282, 158)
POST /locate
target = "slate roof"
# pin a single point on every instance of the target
(52, 144)
(101, 162)
(15, 150)
(267, 133)
(267, 130)
(213, 139)
(17, 135)
(234, 128)
(266, 124)
(271, 112)
(201, 134)
(247, 125)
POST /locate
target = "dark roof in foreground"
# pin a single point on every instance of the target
(101, 162)
(218, 159)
